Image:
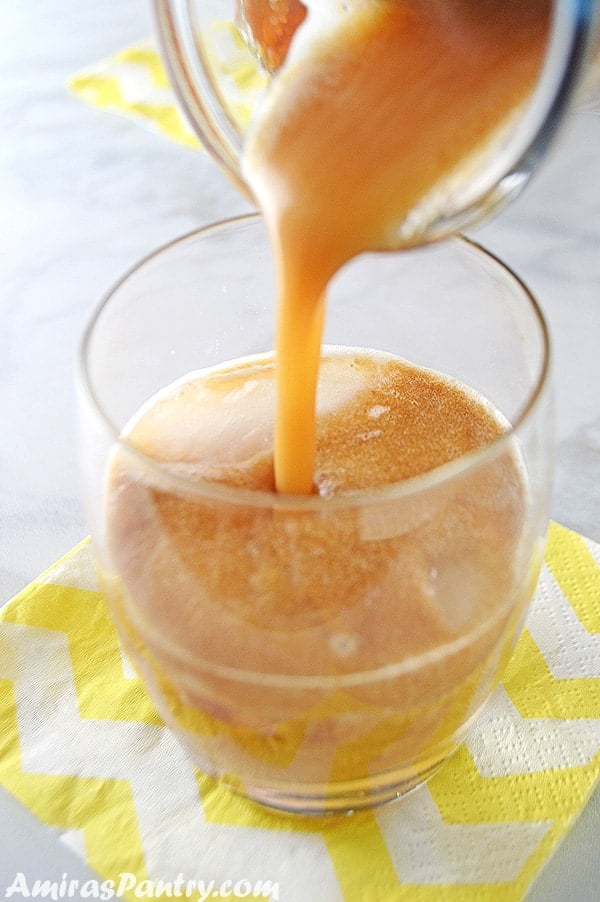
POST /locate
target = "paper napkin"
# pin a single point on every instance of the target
(134, 83)
(82, 747)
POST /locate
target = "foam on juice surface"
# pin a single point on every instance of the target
(218, 424)
(375, 421)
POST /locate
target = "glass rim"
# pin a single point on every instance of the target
(355, 498)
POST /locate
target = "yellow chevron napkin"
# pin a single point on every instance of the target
(134, 83)
(82, 746)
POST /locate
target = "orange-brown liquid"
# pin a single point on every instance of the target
(270, 27)
(204, 582)
(356, 134)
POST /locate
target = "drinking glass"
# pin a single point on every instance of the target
(390, 612)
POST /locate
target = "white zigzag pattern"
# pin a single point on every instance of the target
(570, 651)
(74, 840)
(502, 742)
(426, 850)
(77, 571)
(175, 836)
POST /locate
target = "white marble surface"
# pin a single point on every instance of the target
(84, 194)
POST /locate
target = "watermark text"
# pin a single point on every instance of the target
(129, 885)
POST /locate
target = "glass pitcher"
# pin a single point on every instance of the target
(219, 75)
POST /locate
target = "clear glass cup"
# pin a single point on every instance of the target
(219, 82)
(249, 695)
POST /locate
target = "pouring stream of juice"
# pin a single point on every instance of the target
(365, 122)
